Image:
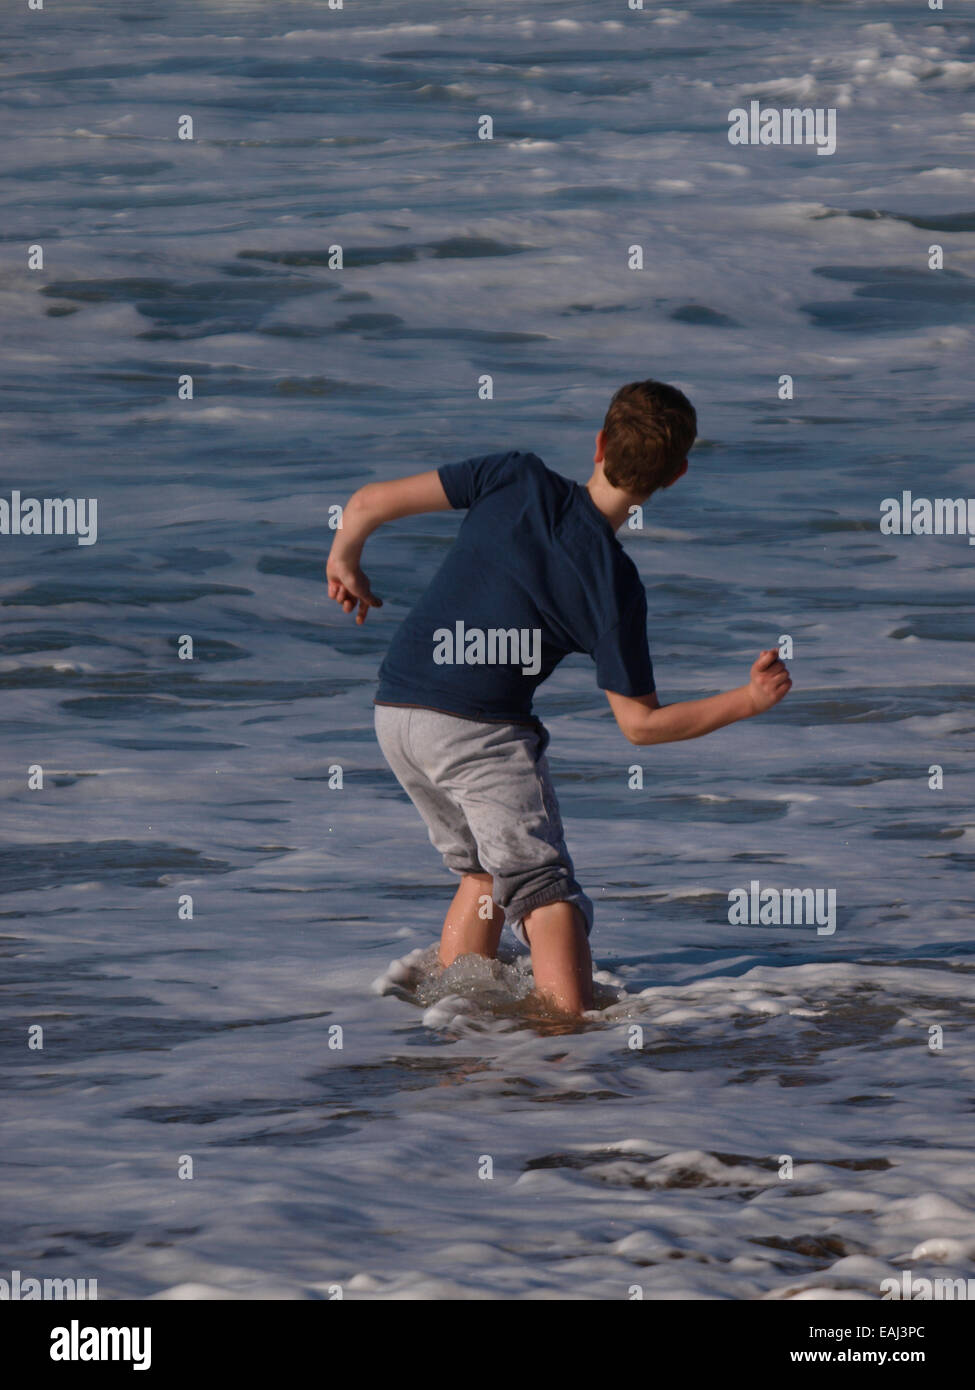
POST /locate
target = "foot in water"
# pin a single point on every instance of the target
(474, 987)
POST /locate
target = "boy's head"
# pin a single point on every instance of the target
(646, 436)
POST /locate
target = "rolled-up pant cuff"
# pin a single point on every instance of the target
(565, 892)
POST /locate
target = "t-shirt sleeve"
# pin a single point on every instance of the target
(465, 482)
(622, 654)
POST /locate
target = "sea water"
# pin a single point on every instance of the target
(278, 1095)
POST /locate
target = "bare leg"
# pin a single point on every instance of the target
(473, 923)
(561, 962)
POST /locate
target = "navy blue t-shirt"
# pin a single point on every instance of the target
(536, 572)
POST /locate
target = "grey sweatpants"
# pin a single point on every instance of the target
(486, 795)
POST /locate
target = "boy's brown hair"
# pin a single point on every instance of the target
(648, 431)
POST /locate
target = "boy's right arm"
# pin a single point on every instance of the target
(643, 719)
(369, 507)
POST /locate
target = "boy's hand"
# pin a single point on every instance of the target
(769, 681)
(348, 585)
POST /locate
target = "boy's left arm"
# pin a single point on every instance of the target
(366, 509)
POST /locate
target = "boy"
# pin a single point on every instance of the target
(536, 572)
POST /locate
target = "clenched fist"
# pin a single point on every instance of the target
(770, 681)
